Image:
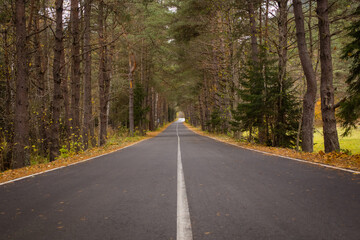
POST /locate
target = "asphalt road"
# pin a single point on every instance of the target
(232, 193)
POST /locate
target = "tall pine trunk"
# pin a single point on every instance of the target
(132, 67)
(255, 62)
(75, 70)
(21, 156)
(57, 97)
(88, 128)
(8, 123)
(102, 77)
(331, 141)
(307, 131)
(254, 45)
(42, 123)
(282, 53)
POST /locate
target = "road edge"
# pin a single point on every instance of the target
(281, 156)
(82, 161)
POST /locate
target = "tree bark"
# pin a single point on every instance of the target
(21, 156)
(282, 53)
(307, 132)
(57, 97)
(206, 104)
(88, 129)
(331, 141)
(132, 67)
(75, 73)
(8, 127)
(42, 113)
(102, 77)
(65, 95)
(254, 45)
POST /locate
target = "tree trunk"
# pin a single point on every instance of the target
(132, 67)
(254, 46)
(56, 103)
(307, 131)
(201, 111)
(8, 121)
(102, 77)
(331, 141)
(206, 104)
(21, 156)
(75, 73)
(88, 130)
(152, 114)
(282, 53)
(156, 117)
(42, 119)
(65, 95)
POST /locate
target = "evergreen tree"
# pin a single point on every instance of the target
(260, 93)
(350, 108)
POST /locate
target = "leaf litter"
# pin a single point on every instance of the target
(337, 159)
(13, 174)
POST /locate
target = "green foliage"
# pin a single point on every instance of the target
(215, 120)
(64, 152)
(267, 105)
(350, 108)
(139, 109)
(187, 25)
(287, 116)
(257, 100)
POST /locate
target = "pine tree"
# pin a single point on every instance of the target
(350, 108)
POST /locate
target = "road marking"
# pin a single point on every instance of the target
(285, 157)
(183, 231)
(75, 163)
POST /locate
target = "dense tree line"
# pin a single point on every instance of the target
(261, 67)
(73, 72)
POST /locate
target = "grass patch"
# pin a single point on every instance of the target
(350, 143)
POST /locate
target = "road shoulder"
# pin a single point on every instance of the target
(338, 161)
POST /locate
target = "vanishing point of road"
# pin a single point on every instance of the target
(180, 185)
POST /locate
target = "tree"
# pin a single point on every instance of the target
(21, 156)
(57, 97)
(350, 107)
(132, 67)
(104, 80)
(307, 131)
(75, 71)
(331, 141)
(88, 126)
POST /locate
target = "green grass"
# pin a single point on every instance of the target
(351, 143)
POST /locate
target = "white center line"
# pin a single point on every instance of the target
(184, 231)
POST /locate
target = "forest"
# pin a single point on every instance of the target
(75, 72)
